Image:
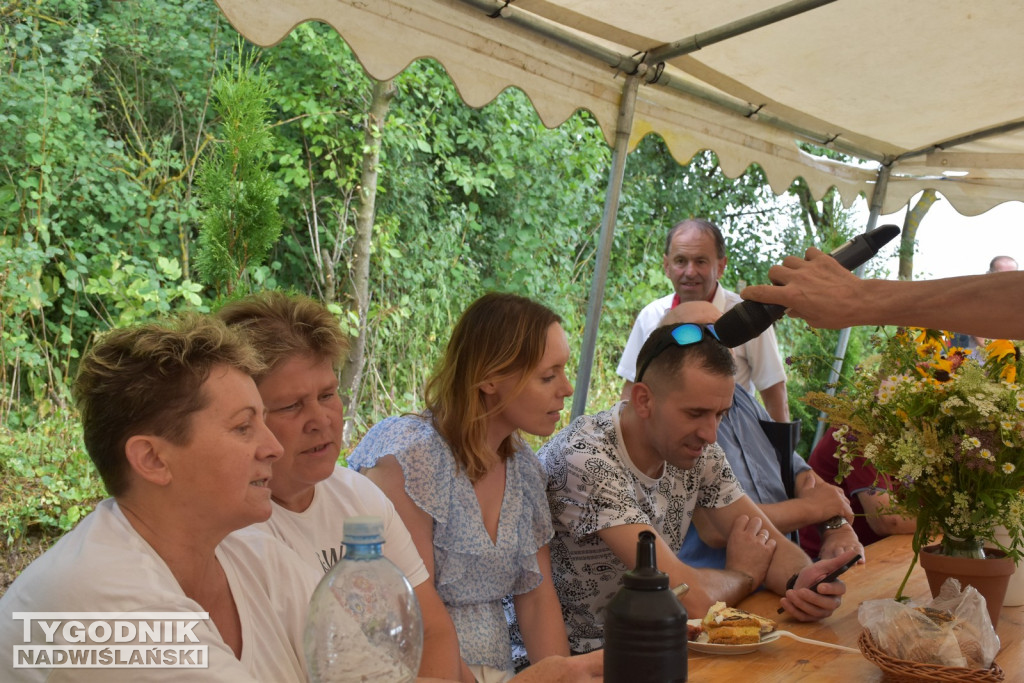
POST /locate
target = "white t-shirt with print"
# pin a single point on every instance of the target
(316, 532)
(593, 485)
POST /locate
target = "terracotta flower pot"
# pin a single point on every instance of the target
(1015, 591)
(989, 576)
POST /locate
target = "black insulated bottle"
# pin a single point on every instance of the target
(645, 625)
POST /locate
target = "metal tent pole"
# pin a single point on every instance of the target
(877, 197)
(718, 34)
(623, 127)
(628, 63)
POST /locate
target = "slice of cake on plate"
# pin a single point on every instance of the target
(730, 626)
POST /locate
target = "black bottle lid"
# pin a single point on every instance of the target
(645, 576)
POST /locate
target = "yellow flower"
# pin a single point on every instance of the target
(930, 349)
(929, 344)
(998, 349)
(1008, 468)
(1008, 373)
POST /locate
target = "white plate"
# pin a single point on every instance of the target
(701, 645)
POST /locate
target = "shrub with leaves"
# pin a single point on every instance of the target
(47, 482)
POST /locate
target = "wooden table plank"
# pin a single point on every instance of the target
(789, 660)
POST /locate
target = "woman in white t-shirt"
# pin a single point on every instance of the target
(174, 424)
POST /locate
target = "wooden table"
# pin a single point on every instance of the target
(789, 660)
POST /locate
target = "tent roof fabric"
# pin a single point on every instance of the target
(895, 83)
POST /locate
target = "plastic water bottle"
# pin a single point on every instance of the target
(645, 625)
(364, 621)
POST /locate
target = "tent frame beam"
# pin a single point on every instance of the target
(732, 29)
(963, 140)
(629, 64)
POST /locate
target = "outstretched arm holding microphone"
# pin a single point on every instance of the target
(825, 294)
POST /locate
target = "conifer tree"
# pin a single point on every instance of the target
(236, 190)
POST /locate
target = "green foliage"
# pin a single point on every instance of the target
(102, 119)
(109, 106)
(137, 291)
(318, 155)
(238, 195)
(473, 200)
(47, 482)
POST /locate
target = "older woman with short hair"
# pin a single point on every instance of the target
(174, 424)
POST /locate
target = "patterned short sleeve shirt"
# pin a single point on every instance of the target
(593, 485)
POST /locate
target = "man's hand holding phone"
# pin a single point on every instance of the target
(817, 591)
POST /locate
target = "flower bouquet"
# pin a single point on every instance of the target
(946, 427)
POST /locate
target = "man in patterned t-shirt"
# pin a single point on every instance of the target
(650, 463)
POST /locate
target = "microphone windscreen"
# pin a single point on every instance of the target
(746, 320)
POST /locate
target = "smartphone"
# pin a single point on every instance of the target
(829, 578)
(835, 573)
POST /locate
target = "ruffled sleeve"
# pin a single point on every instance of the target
(534, 523)
(426, 461)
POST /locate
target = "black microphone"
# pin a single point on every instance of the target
(748, 319)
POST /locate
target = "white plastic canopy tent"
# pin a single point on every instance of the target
(925, 93)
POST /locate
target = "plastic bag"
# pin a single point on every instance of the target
(954, 629)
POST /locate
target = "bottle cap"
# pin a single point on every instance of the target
(363, 529)
(646, 576)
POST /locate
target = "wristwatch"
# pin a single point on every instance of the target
(834, 523)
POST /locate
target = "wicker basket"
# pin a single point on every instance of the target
(904, 671)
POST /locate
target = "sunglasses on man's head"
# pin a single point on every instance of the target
(681, 335)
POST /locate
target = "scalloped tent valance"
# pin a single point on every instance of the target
(933, 89)
(925, 93)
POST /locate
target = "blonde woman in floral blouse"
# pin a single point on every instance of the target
(468, 487)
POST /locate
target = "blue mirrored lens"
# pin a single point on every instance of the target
(687, 334)
(690, 333)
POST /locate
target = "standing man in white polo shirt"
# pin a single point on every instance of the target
(694, 260)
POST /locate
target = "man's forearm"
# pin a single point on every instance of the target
(790, 515)
(789, 559)
(985, 305)
(825, 294)
(727, 585)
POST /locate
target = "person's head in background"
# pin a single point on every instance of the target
(699, 312)
(502, 372)
(1001, 264)
(172, 419)
(694, 258)
(302, 346)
